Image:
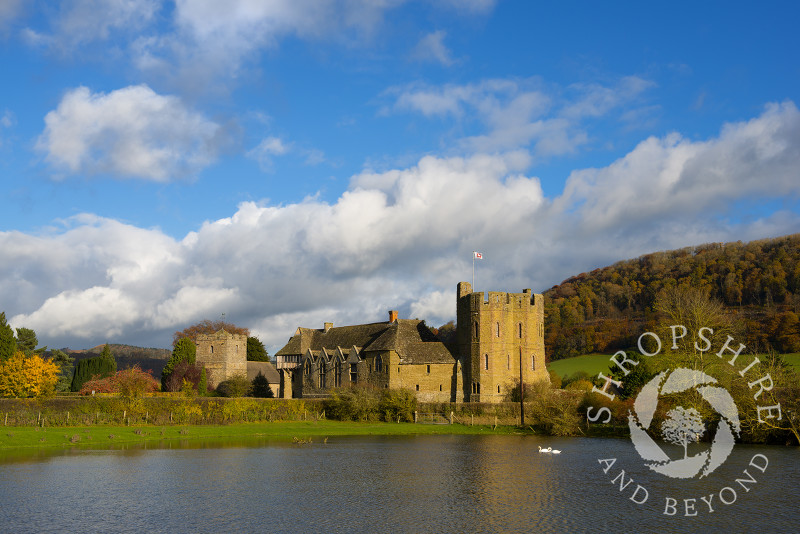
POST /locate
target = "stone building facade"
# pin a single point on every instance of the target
(492, 336)
(224, 355)
(501, 340)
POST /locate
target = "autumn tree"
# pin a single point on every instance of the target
(207, 326)
(24, 375)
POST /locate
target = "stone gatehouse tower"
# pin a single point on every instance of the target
(222, 354)
(495, 335)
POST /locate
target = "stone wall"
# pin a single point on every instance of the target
(496, 334)
(223, 355)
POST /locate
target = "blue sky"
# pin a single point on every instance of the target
(289, 163)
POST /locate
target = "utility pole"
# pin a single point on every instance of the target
(521, 392)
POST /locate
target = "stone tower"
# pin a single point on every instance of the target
(494, 335)
(222, 354)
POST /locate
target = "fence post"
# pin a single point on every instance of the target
(415, 416)
(471, 419)
(451, 417)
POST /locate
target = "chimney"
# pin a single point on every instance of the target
(327, 327)
(392, 316)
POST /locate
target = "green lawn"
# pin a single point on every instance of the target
(590, 363)
(793, 360)
(595, 363)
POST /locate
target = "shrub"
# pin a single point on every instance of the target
(134, 382)
(235, 386)
(184, 352)
(182, 372)
(397, 404)
(27, 376)
(354, 404)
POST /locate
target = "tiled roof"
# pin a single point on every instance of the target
(410, 338)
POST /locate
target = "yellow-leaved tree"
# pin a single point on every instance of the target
(27, 376)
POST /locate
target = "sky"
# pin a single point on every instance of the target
(288, 163)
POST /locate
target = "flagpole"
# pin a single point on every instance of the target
(473, 270)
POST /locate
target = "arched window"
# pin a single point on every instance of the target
(321, 374)
(378, 364)
(533, 363)
(337, 374)
(212, 349)
(307, 368)
(353, 373)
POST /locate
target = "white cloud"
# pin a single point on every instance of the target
(266, 149)
(128, 133)
(78, 22)
(521, 112)
(400, 239)
(432, 48)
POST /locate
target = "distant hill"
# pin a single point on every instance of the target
(606, 309)
(128, 356)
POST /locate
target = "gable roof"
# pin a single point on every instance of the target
(410, 338)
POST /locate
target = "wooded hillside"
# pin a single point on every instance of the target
(605, 310)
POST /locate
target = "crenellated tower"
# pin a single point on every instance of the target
(495, 335)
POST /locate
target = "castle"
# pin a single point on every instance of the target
(500, 338)
(224, 355)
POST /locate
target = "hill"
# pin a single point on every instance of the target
(127, 356)
(605, 310)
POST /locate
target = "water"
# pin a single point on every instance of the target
(385, 484)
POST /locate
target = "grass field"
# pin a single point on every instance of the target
(595, 363)
(104, 437)
(589, 363)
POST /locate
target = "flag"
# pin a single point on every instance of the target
(477, 255)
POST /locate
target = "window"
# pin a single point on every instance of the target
(533, 363)
(440, 387)
(519, 326)
(508, 361)
(486, 361)
(429, 369)
(417, 387)
(498, 329)
(479, 387)
(498, 389)
(307, 368)
(321, 375)
(337, 374)
(353, 373)
(212, 349)
(378, 364)
(477, 331)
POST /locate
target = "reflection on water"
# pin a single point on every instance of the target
(383, 484)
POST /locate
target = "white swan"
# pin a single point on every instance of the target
(548, 449)
(555, 451)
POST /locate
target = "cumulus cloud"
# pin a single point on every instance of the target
(399, 239)
(128, 133)
(520, 112)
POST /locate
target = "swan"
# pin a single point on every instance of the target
(555, 451)
(548, 449)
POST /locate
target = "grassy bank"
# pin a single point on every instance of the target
(592, 364)
(300, 432)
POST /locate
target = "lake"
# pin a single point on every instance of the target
(388, 484)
